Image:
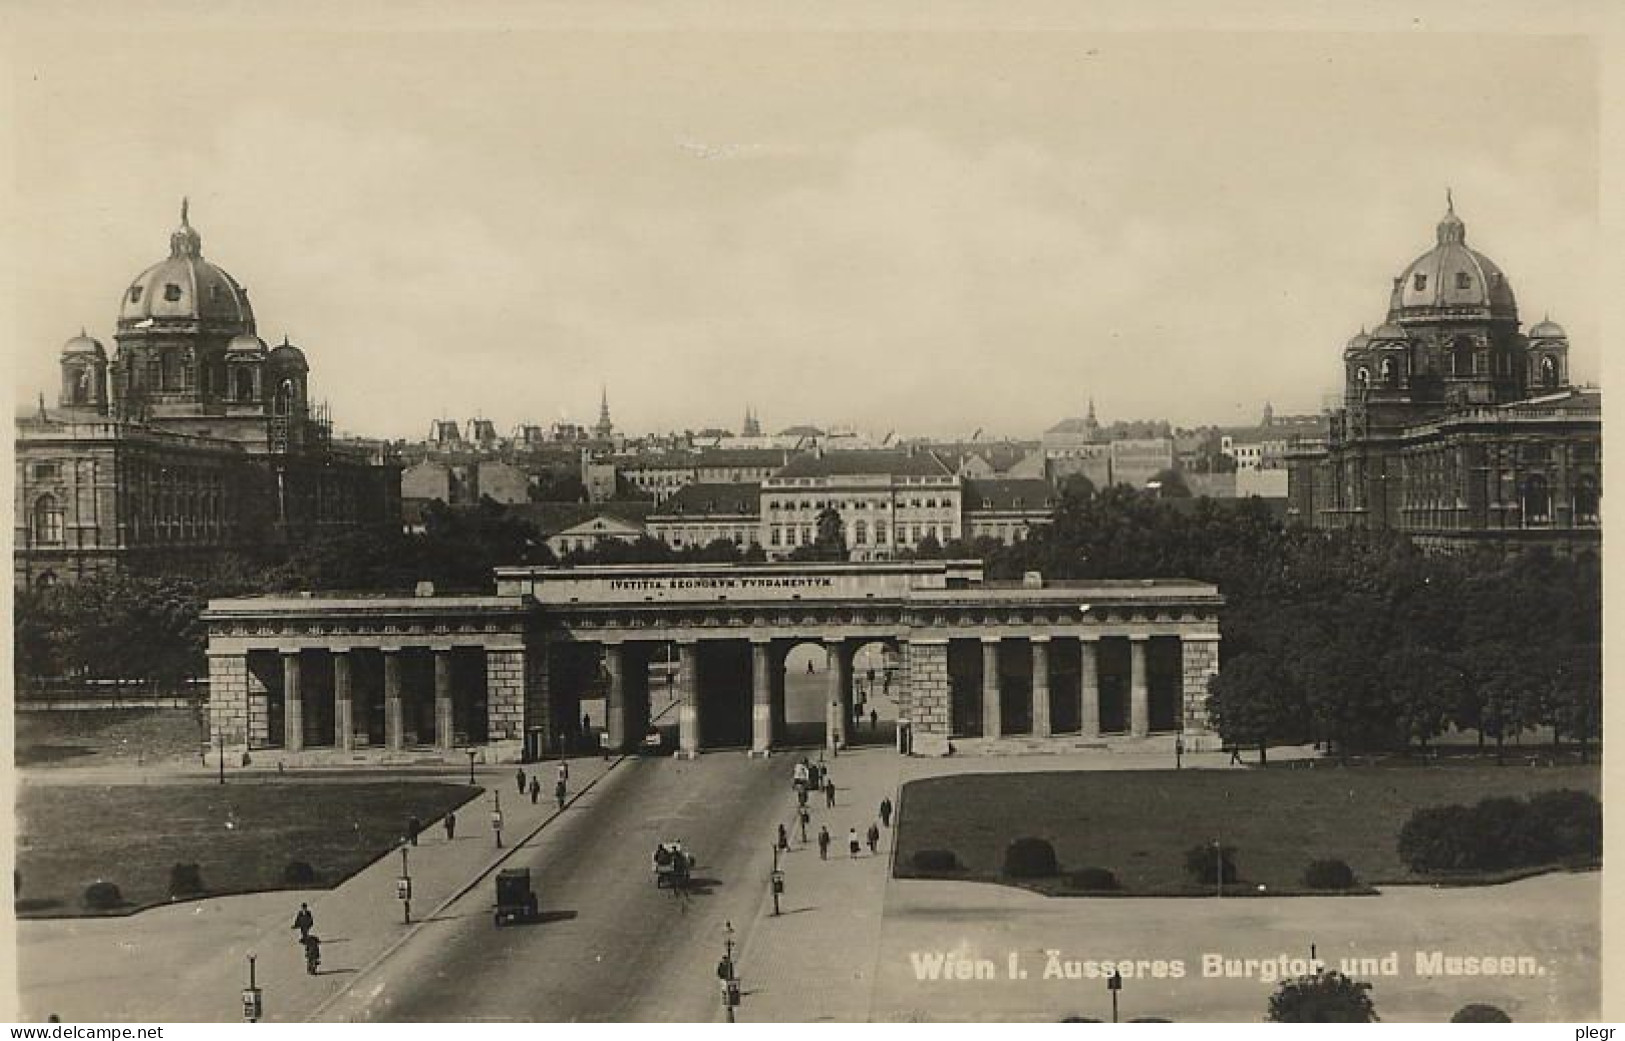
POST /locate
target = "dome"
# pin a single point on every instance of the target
(1451, 280)
(287, 356)
(1389, 331)
(1546, 329)
(84, 344)
(185, 287)
(1358, 342)
(246, 343)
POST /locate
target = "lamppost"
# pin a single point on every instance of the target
(726, 973)
(253, 1003)
(403, 888)
(470, 753)
(1114, 983)
(1218, 865)
(775, 880)
(496, 816)
(221, 735)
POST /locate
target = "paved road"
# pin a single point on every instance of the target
(610, 946)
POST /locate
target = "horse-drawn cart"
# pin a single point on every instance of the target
(671, 865)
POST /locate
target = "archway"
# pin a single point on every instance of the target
(878, 697)
(802, 681)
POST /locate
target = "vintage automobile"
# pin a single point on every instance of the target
(516, 900)
(653, 743)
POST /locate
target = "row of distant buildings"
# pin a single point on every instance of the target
(195, 438)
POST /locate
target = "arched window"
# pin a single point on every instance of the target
(81, 386)
(1548, 371)
(1362, 377)
(1586, 502)
(1461, 356)
(49, 525)
(283, 404)
(860, 533)
(171, 370)
(1536, 501)
(1390, 371)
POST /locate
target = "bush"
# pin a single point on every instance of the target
(1439, 838)
(1571, 823)
(1328, 874)
(935, 861)
(298, 873)
(1030, 858)
(1202, 863)
(1480, 1014)
(102, 896)
(185, 880)
(1503, 832)
(1092, 878)
(1327, 997)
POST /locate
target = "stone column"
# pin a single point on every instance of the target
(443, 727)
(1199, 655)
(835, 713)
(394, 723)
(615, 695)
(1139, 695)
(293, 704)
(688, 694)
(761, 686)
(228, 699)
(777, 662)
(343, 705)
(1089, 686)
(1041, 721)
(992, 718)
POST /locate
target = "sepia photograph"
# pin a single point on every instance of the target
(559, 514)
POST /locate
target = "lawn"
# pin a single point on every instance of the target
(241, 835)
(1139, 824)
(102, 737)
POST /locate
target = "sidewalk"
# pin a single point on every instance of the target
(87, 970)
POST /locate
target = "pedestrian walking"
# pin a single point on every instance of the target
(558, 793)
(413, 828)
(801, 796)
(873, 837)
(823, 842)
(519, 777)
(784, 838)
(535, 789)
(852, 841)
(803, 817)
(451, 826)
(564, 770)
(1235, 755)
(874, 720)
(304, 921)
(829, 791)
(885, 811)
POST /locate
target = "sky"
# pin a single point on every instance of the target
(924, 232)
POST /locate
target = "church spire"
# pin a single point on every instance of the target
(604, 425)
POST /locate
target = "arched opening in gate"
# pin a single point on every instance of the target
(803, 691)
(877, 693)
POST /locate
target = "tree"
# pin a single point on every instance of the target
(1251, 701)
(1326, 997)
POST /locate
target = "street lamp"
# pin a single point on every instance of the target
(1218, 865)
(470, 753)
(496, 816)
(1114, 983)
(725, 971)
(403, 887)
(253, 1003)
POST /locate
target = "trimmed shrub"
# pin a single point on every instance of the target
(1202, 863)
(185, 880)
(1439, 838)
(1328, 874)
(1096, 878)
(298, 873)
(1503, 832)
(1567, 823)
(1480, 1014)
(934, 861)
(1030, 858)
(102, 896)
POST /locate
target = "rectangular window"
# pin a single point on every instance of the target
(47, 471)
(1421, 282)
(1464, 280)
